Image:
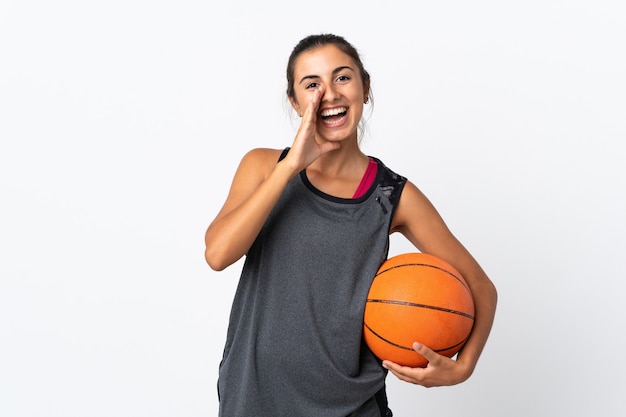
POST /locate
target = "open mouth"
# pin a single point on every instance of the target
(333, 116)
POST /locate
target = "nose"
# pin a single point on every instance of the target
(330, 93)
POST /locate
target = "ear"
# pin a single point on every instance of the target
(366, 92)
(295, 106)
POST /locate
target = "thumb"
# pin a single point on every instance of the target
(426, 352)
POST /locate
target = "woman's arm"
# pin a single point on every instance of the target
(256, 187)
(418, 220)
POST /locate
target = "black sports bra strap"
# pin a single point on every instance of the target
(283, 154)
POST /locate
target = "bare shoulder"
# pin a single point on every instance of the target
(260, 160)
(254, 168)
(412, 202)
(415, 215)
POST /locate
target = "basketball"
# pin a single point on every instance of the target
(417, 297)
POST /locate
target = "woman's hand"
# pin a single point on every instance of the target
(418, 220)
(440, 371)
(305, 148)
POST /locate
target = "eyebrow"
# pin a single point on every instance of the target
(335, 71)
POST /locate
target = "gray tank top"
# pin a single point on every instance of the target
(294, 345)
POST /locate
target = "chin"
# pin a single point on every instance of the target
(339, 135)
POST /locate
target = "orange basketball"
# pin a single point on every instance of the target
(417, 297)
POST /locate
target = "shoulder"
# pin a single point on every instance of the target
(260, 160)
(263, 155)
(390, 183)
(415, 212)
(411, 193)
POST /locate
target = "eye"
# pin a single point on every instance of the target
(343, 78)
(311, 85)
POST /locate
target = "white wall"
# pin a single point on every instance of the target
(121, 125)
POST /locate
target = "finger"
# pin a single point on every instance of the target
(403, 377)
(317, 96)
(392, 366)
(309, 118)
(314, 104)
(429, 354)
(404, 373)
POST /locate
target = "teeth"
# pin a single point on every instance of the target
(333, 112)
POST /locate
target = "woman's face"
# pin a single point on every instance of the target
(341, 104)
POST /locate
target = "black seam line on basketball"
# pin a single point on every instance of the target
(409, 304)
(410, 348)
(453, 346)
(429, 266)
(386, 340)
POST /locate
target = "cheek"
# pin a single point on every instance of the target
(357, 111)
(357, 95)
(295, 105)
(299, 101)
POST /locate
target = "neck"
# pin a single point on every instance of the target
(341, 163)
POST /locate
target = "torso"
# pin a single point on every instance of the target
(301, 299)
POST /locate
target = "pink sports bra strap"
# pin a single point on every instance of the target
(368, 179)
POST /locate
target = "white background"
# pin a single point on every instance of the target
(121, 125)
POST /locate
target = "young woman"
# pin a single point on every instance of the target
(313, 221)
